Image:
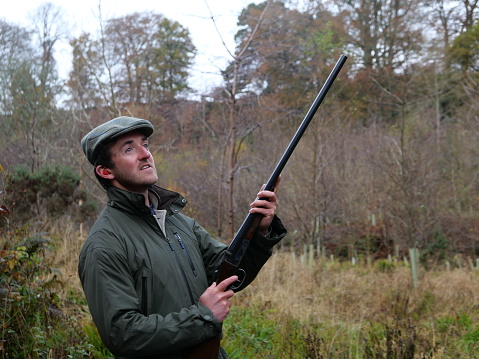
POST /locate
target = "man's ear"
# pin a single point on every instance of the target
(104, 172)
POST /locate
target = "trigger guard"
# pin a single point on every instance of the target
(241, 277)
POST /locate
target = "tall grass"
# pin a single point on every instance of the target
(337, 310)
(325, 309)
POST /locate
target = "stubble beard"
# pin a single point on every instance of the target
(136, 182)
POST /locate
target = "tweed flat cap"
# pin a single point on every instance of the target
(108, 131)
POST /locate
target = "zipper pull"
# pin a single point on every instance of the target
(180, 241)
(177, 236)
(169, 243)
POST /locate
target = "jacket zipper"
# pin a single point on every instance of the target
(182, 270)
(185, 252)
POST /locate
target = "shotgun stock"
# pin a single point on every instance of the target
(209, 349)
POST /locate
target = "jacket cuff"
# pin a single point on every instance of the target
(275, 235)
(211, 325)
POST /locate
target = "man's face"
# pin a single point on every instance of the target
(134, 168)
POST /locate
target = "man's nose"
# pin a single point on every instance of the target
(145, 152)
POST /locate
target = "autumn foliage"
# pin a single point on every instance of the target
(389, 162)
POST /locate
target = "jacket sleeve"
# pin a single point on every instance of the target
(259, 251)
(257, 254)
(115, 308)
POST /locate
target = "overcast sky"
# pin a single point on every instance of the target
(193, 14)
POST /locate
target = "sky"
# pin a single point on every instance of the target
(82, 15)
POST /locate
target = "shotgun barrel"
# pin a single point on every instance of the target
(209, 349)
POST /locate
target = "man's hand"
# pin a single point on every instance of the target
(266, 204)
(217, 300)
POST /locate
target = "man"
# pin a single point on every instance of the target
(147, 270)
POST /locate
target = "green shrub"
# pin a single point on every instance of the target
(35, 322)
(53, 191)
(249, 334)
(98, 349)
(384, 265)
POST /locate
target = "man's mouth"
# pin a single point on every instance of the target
(145, 167)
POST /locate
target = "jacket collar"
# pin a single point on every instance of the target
(134, 203)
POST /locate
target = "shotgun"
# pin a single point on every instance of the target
(209, 348)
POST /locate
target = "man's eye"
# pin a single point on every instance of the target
(128, 149)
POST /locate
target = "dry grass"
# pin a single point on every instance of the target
(327, 290)
(68, 239)
(362, 309)
(334, 292)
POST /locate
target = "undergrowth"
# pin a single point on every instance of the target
(326, 309)
(35, 323)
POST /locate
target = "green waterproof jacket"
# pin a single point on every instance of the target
(143, 270)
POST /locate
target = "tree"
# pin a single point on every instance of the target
(86, 81)
(30, 87)
(140, 59)
(470, 7)
(49, 29)
(386, 34)
(282, 55)
(464, 54)
(15, 47)
(150, 56)
(464, 50)
(291, 52)
(447, 26)
(235, 135)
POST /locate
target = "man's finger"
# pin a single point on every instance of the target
(276, 185)
(226, 283)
